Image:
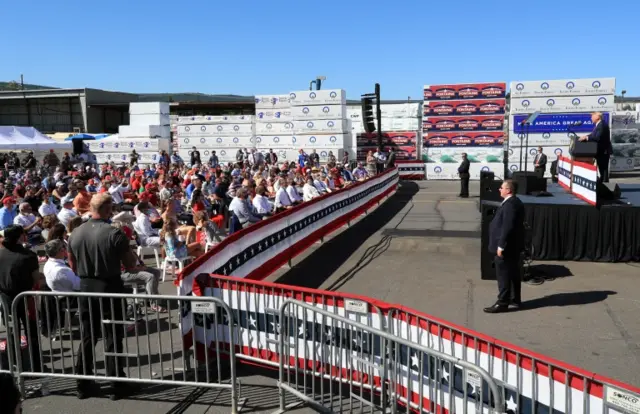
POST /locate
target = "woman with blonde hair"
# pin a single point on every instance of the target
(174, 247)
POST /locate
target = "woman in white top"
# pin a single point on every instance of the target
(309, 191)
(261, 204)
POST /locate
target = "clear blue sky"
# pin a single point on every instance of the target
(250, 47)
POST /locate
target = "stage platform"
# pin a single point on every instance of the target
(567, 228)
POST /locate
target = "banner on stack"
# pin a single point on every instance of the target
(625, 139)
(565, 107)
(224, 134)
(463, 118)
(148, 134)
(274, 127)
(403, 143)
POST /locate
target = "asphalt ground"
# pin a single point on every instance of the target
(421, 249)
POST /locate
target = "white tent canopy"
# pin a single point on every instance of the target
(28, 138)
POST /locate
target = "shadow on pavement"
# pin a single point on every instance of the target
(568, 299)
(323, 262)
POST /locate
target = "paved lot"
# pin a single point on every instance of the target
(421, 249)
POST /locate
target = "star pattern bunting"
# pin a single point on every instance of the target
(271, 240)
(584, 182)
(331, 339)
(411, 169)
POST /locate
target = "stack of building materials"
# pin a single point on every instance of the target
(274, 129)
(565, 108)
(148, 133)
(463, 118)
(401, 131)
(224, 134)
(625, 138)
(319, 123)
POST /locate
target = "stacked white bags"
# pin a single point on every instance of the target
(224, 134)
(320, 122)
(148, 133)
(273, 125)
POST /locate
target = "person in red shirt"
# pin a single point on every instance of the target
(197, 201)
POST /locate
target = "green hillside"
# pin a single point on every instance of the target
(15, 86)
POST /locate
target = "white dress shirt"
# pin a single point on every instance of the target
(320, 186)
(117, 192)
(65, 215)
(26, 221)
(293, 194)
(262, 205)
(148, 235)
(47, 209)
(282, 199)
(60, 277)
(309, 192)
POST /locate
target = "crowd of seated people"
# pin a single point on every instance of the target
(177, 209)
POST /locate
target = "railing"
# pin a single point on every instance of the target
(7, 351)
(138, 347)
(376, 362)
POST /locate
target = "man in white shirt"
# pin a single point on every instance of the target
(148, 235)
(292, 192)
(309, 191)
(282, 200)
(67, 212)
(59, 276)
(47, 208)
(381, 159)
(320, 185)
(29, 222)
(261, 204)
(117, 191)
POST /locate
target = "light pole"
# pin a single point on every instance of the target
(317, 82)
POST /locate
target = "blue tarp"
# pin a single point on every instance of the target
(86, 137)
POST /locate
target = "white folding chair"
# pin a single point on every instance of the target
(173, 262)
(145, 249)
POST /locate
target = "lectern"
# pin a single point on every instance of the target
(580, 149)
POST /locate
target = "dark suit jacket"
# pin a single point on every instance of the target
(507, 228)
(464, 167)
(542, 161)
(391, 160)
(602, 136)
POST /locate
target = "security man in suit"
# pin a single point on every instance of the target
(540, 162)
(463, 172)
(602, 136)
(506, 241)
(391, 159)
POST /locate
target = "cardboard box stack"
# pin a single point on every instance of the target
(148, 133)
(224, 134)
(320, 122)
(274, 128)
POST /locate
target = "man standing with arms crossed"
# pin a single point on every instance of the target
(540, 163)
(96, 252)
(463, 172)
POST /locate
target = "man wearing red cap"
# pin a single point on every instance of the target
(8, 212)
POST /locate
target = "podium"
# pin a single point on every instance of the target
(583, 151)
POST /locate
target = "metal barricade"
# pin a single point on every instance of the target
(257, 305)
(137, 347)
(7, 361)
(375, 370)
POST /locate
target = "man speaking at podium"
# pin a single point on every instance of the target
(602, 136)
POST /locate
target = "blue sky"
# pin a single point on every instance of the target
(250, 47)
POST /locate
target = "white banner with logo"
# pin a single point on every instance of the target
(599, 103)
(563, 87)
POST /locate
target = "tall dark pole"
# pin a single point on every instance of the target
(379, 115)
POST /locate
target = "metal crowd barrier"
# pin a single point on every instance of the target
(6, 350)
(378, 371)
(152, 349)
(262, 301)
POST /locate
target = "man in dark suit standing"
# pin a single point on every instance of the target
(506, 240)
(602, 136)
(463, 172)
(540, 163)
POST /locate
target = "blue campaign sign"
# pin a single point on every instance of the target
(557, 123)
